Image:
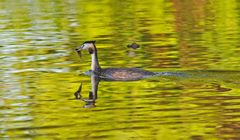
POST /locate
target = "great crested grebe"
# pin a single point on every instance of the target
(118, 74)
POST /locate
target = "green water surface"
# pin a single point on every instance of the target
(40, 71)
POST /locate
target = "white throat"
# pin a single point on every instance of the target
(93, 65)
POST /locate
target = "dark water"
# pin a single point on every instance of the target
(40, 72)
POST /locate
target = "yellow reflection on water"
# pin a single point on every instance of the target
(40, 70)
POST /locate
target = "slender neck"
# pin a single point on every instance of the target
(95, 64)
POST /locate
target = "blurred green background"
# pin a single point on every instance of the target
(40, 70)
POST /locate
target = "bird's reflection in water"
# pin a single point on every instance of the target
(90, 101)
(95, 79)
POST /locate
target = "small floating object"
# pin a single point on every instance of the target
(133, 45)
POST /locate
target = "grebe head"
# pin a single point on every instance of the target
(87, 45)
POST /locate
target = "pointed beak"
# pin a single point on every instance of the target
(78, 50)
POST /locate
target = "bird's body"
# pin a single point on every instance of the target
(124, 74)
